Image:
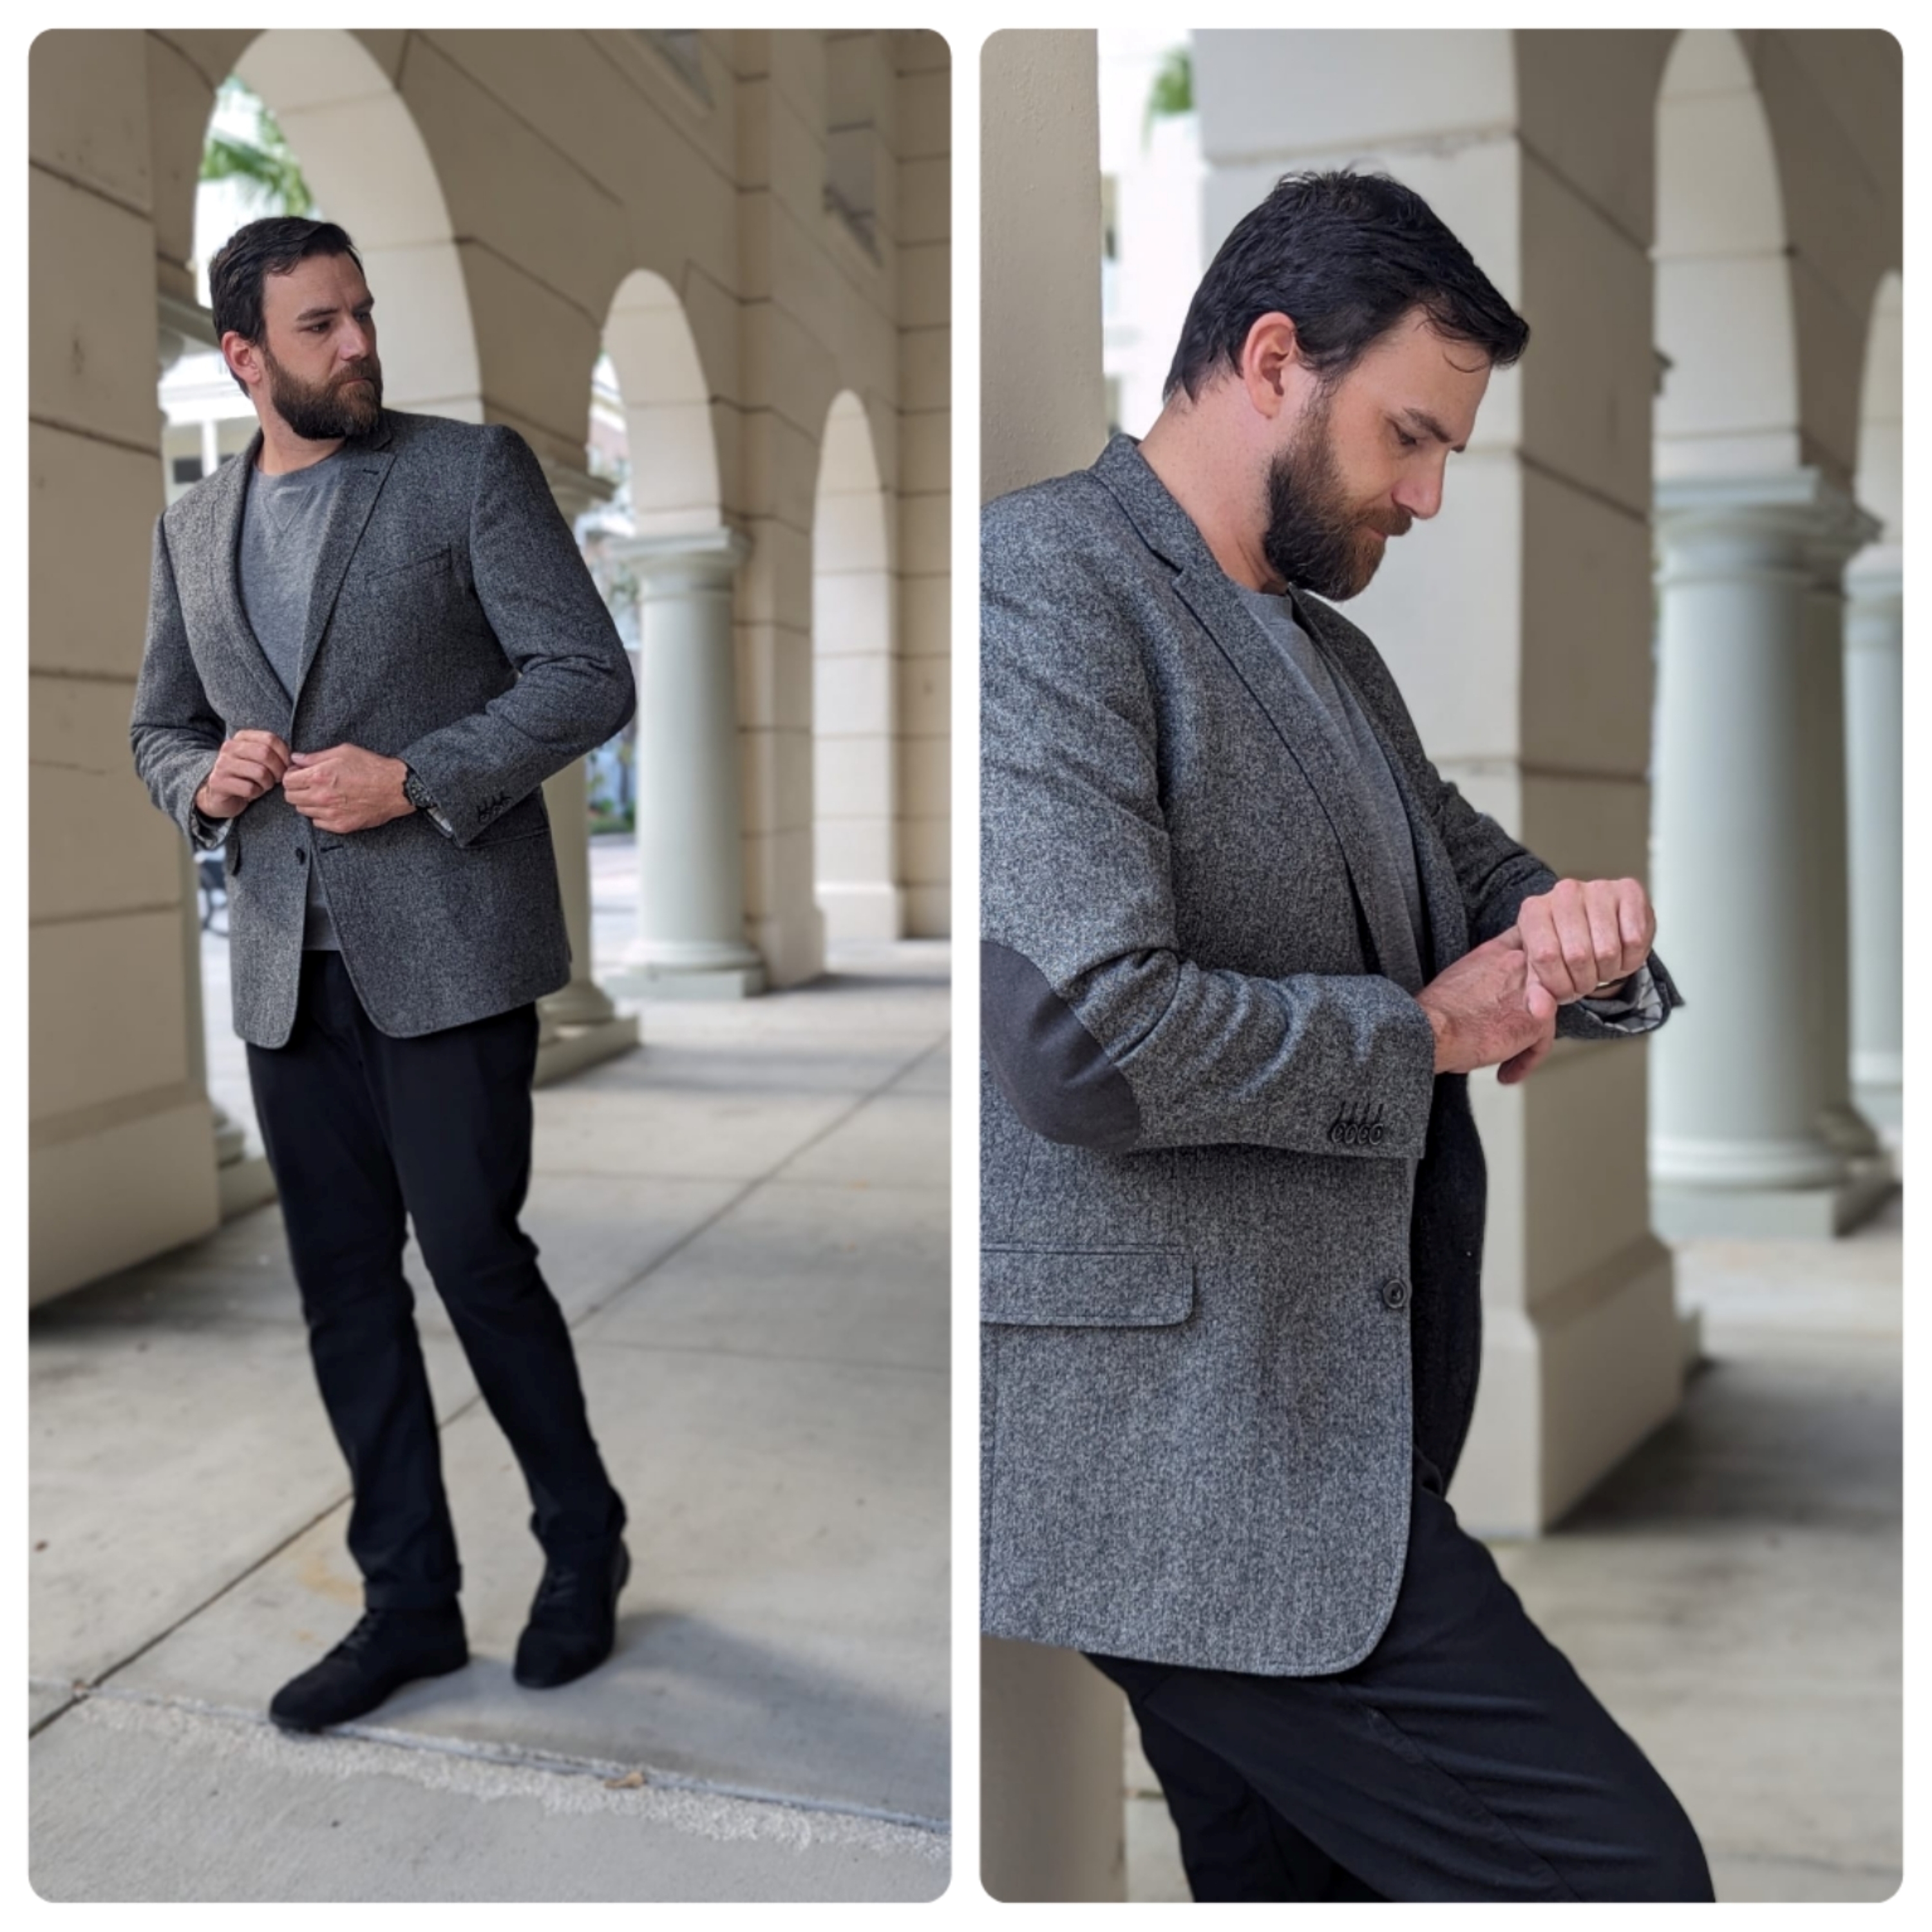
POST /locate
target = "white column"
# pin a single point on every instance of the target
(1053, 1799)
(1842, 529)
(690, 940)
(578, 1025)
(1737, 1088)
(1875, 770)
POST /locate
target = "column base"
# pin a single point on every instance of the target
(862, 912)
(244, 1185)
(583, 1002)
(688, 982)
(572, 1049)
(1570, 1387)
(1683, 1213)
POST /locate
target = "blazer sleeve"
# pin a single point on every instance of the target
(1098, 1028)
(573, 689)
(1497, 873)
(175, 734)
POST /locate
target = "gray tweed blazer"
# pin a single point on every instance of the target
(452, 624)
(1231, 1221)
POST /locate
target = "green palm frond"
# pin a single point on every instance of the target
(266, 163)
(1172, 91)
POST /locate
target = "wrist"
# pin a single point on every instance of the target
(1439, 1026)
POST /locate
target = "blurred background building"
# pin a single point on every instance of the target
(706, 275)
(1655, 630)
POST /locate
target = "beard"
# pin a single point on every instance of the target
(1316, 539)
(321, 413)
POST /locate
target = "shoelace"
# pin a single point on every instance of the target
(561, 1589)
(361, 1638)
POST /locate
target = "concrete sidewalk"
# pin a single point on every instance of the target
(747, 1224)
(1733, 1593)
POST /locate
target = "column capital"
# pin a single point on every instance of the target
(574, 488)
(1798, 524)
(1877, 572)
(680, 562)
(181, 325)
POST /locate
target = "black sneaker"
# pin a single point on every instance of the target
(573, 1622)
(386, 1650)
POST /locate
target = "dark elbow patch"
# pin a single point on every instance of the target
(1054, 1073)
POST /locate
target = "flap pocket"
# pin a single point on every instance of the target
(439, 555)
(1086, 1288)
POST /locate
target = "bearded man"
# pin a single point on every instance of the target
(370, 639)
(1242, 947)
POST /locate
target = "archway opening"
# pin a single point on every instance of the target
(854, 759)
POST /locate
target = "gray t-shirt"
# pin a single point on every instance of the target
(282, 526)
(1378, 805)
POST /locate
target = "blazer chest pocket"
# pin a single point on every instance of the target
(1086, 1288)
(393, 576)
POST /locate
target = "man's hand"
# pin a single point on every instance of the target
(1586, 936)
(248, 764)
(345, 788)
(1489, 1010)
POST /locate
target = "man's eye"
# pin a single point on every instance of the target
(1407, 441)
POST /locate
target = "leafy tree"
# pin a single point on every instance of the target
(266, 164)
(1172, 91)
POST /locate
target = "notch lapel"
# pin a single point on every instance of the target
(1448, 935)
(227, 502)
(368, 467)
(1204, 587)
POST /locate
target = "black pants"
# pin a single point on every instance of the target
(361, 1129)
(1463, 1758)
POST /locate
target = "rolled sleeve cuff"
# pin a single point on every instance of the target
(1638, 1008)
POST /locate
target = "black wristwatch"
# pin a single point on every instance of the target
(416, 792)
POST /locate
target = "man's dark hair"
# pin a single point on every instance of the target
(1344, 257)
(256, 250)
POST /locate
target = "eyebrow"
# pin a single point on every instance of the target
(334, 308)
(1422, 420)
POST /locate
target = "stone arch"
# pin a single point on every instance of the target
(854, 751)
(1729, 402)
(370, 168)
(672, 450)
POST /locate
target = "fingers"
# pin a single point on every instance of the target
(1637, 923)
(1584, 934)
(1519, 1066)
(1544, 943)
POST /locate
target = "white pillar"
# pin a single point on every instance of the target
(1875, 770)
(1737, 1088)
(1842, 529)
(1053, 1819)
(690, 939)
(577, 1024)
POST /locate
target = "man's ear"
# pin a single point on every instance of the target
(1269, 356)
(243, 358)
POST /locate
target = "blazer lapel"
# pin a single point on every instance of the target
(227, 501)
(1204, 587)
(367, 466)
(1448, 936)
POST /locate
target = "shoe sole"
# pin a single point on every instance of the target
(301, 1730)
(616, 1591)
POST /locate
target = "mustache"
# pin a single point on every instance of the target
(1396, 525)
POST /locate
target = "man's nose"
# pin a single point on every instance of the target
(1420, 496)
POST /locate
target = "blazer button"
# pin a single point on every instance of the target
(1395, 1294)
(1334, 1131)
(1375, 1137)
